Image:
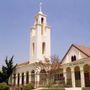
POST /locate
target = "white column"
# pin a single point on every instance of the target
(16, 80)
(65, 75)
(29, 77)
(73, 77)
(37, 79)
(24, 78)
(20, 83)
(82, 77)
(12, 79)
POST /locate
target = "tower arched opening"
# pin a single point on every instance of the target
(43, 47)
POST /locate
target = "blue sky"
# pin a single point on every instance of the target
(69, 20)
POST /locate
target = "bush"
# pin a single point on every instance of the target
(29, 87)
(4, 86)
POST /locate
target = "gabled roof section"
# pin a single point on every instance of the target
(81, 48)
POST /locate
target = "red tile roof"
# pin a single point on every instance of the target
(85, 50)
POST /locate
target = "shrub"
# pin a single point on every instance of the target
(4, 86)
(28, 87)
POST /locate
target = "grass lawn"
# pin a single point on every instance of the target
(86, 88)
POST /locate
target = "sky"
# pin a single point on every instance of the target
(69, 21)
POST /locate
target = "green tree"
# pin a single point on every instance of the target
(1, 75)
(7, 69)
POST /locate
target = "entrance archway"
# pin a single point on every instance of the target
(43, 77)
(77, 76)
(87, 75)
(33, 77)
(69, 78)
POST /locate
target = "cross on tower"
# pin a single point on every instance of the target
(40, 7)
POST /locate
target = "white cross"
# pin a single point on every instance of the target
(40, 7)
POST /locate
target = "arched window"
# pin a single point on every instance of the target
(73, 58)
(43, 47)
(42, 20)
(33, 45)
(27, 77)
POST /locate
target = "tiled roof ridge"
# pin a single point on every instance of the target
(83, 48)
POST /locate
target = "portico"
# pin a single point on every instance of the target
(77, 74)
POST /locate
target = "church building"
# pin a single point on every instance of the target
(74, 67)
(40, 51)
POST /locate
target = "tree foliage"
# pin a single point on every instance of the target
(55, 62)
(54, 68)
(7, 70)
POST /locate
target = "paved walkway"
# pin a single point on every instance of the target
(65, 89)
(73, 88)
(37, 88)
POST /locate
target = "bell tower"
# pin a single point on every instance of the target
(40, 39)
